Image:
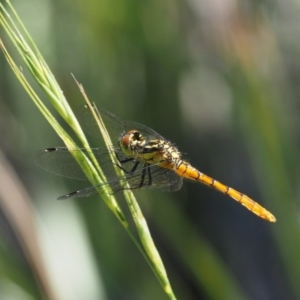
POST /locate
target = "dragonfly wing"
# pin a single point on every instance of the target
(86, 192)
(114, 124)
(115, 186)
(155, 177)
(165, 179)
(60, 161)
(161, 178)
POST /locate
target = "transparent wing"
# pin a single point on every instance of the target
(61, 162)
(115, 125)
(155, 177)
(164, 179)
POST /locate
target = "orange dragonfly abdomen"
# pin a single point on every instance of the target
(184, 169)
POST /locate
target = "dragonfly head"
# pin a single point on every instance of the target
(132, 142)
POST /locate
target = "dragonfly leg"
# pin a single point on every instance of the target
(133, 168)
(143, 176)
(146, 170)
(124, 160)
(149, 175)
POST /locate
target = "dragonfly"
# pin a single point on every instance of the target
(147, 159)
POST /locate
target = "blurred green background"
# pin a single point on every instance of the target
(218, 78)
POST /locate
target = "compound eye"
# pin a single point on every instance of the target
(125, 140)
(131, 136)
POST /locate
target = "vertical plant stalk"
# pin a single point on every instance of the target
(149, 250)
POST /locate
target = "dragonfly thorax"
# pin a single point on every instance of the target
(163, 153)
